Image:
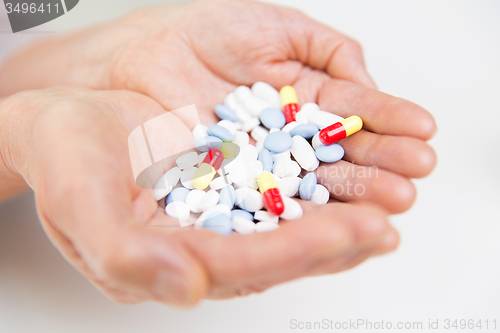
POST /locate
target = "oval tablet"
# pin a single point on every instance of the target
(272, 118)
(306, 131)
(248, 199)
(266, 159)
(224, 112)
(278, 142)
(330, 154)
(304, 153)
(177, 194)
(321, 195)
(242, 225)
(220, 132)
(242, 213)
(308, 186)
(220, 224)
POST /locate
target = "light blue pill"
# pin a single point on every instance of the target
(207, 143)
(225, 113)
(266, 159)
(306, 131)
(242, 213)
(272, 118)
(227, 196)
(220, 132)
(177, 194)
(330, 154)
(278, 142)
(307, 186)
(220, 223)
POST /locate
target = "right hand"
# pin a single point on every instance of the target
(179, 55)
(70, 145)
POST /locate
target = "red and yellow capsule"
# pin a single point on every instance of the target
(289, 102)
(340, 130)
(270, 193)
(206, 172)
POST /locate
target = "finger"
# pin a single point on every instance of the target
(381, 113)
(261, 260)
(323, 48)
(405, 155)
(349, 182)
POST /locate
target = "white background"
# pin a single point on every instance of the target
(443, 55)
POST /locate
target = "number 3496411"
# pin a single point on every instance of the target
(31, 8)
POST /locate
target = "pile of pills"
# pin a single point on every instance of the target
(261, 179)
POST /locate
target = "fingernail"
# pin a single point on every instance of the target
(172, 288)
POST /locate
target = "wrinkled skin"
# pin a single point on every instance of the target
(179, 55)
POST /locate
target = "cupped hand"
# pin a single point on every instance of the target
(198, 52)
(74, 155)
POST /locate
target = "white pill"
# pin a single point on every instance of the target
(281, 168)
(227, 124)
(302, 117)
(248, 199)
(315, 141)
(290, 126)
(294, 169)
(237, 125)
(266, 226)
(219, 209)
(230, 101)
(200, 131)
(304, 153)
(161, 188)
(194, 199)
(252, 183)
(178, 209)
(321, 195)
(173, 175)
(289, 186)
(259, 133)
(249, 153)
(241, 138)
(242, 93)
(242, 225)
(285, 155)
(187, 160)
(265, 216)
(254, 169)
(210, 200)
(187, 177)
(309, 107)
(292, 211)
(272, 130)
(267, 93)
(250, 124)
(323, 119)
(242, 114)
(219, 183)
(259, 145)
(254, 106)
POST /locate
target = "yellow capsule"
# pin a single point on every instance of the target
(203, 176)
(352, 125)
(265, 181)
(288, 96)
(228, 149)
